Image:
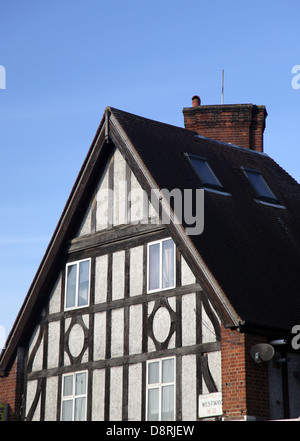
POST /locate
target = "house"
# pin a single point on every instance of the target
(170, 287)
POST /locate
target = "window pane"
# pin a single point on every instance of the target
(153, 405)
(80, 409)
(167, 405)
(80, 386)
(71, 285)
(153, 372)
(84, 283)
(168, 263)
(168, 370)
(68, 385)
(154, 266)
(67, 410)
(205, 173)
(260, 185)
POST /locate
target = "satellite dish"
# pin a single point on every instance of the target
(262, 352)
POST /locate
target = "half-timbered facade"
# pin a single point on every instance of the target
(131, 318)
(127, 333)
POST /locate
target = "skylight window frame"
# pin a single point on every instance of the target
(260, 198)
(206, 186)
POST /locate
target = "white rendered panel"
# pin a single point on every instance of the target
(101, 279)
(118, 275)
(188, 319)
(117, 332)
(135, 329)
(51, 399)
(116, 393)
(135, 392)
(98, 395)
(136, 271)
(53, 344)
(189, 388)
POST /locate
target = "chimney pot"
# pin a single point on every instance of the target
(196, 101)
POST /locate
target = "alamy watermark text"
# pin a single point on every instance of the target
(187, 206)
(296, 78)
(2, 77)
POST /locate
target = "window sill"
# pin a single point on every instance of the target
(269, 204)
(72, 308)
(212, 190)
(160, 289)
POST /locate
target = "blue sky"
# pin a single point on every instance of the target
(65, 61)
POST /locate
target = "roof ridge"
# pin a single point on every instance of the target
(113, 110)
(195, 134)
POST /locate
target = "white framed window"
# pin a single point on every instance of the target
(161, 265)
(77, 291)
(74, 396)
(160, 405)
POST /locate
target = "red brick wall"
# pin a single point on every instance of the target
(11, 389)
(241, 124)
(245, 386)
(257, 380)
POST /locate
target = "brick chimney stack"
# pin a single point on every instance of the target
(239, 124)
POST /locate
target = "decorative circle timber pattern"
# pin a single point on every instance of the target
(161, 323)
(76, 339)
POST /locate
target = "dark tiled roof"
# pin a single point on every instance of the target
(251, 249)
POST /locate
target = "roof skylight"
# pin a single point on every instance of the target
(204, 172)
(259, 185)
